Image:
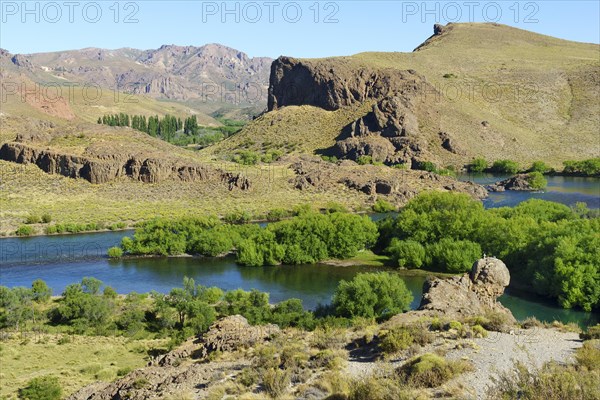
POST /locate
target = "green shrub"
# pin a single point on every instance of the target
(41, 291)
(364, 160)
(46, 218)
(372, 295)
(478, 165)
(590, 167)
(479, 331)
(539, 166)
(41, 388)
(505, 167)
(536, 180)
(246, 157)
(383, 206)
(395, 340)
(454, 256)
(427, 166)
(115, 252)
(25, 230)
(407, 253)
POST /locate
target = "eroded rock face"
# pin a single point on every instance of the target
(471, 294)
(98, 170)
(332, 86)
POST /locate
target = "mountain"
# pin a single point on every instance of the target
(170, 72)
(471, 90)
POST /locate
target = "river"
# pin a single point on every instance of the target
(65, 259)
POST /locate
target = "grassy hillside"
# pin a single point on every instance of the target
(537, 95)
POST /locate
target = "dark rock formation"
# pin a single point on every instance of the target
(517, 182)
(104, 169)
(470, 294)
(334, 85)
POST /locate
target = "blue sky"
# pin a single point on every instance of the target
(273, 28)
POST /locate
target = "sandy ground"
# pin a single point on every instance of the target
(495, 354)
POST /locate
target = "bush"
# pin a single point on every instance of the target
(40, 290)
(41, 388)
(25, 230)
(33, 219)
(383, 206)
(246, 157)
(276, 381)
(46, 218)
(590, 167)
(478, 165)
(364, 160)
(588, 355)
(430, 370)
(115, 252)
(372, 295)
(505, 167)
(407, 253)
(536, 180)
(395, 340)
(454, 256)
(539, 166)
(427, 166)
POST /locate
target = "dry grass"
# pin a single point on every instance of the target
(77, 363)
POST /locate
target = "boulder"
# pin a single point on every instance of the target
(517, 182)
(471, 294)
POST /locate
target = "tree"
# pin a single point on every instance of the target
(505, 167)
(372, 295)
(40, 290)
(536, 180)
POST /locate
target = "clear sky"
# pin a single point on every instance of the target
(273, 28)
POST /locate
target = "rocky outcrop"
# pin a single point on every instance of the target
(332, 85)
(312, 173)
(517, 182)
(471, 294)
(232, 333)
(99, 170)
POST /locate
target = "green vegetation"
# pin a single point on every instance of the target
(42, 388)
(478, 165)
(115, 252)
(372, 295)
(306, 238)
(25, 230)
(173, 130)
(545, 243)
(383, 206)
(505, 167)
(589, 167)
(539, 166)
(536, 180)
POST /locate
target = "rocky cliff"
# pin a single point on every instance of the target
(98, 170)
(388, 133)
